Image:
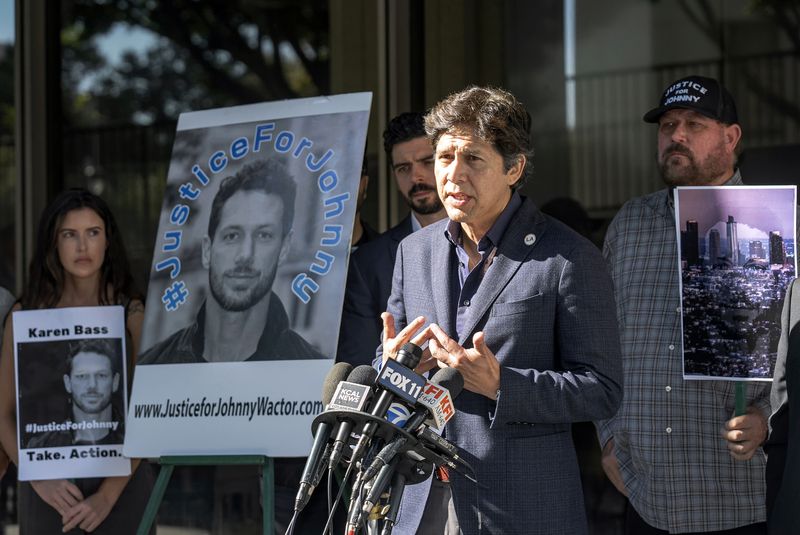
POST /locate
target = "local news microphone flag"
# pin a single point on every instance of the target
(247, 279)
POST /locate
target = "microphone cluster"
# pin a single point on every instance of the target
(387, 426)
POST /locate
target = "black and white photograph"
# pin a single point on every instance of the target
(251, 252)
(71, 380)
(248, 276)
(248, 238)
(737, 257)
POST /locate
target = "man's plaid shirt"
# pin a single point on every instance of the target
(675, 464)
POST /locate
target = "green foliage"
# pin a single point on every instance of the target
(202, 55)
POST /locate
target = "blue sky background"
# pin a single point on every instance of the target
(761, 208)
(6, 21)
(121, 37)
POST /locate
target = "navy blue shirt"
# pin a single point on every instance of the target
(469, 281)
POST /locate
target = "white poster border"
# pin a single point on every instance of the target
(64, 325)
(285, 109)
(678, 219)
(162, 382)
(268, 394)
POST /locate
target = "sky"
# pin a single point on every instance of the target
(6, 21)
(761, 209)
(121, 37)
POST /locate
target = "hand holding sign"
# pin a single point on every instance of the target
(745, 434)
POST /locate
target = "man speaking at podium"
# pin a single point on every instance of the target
(523, 307)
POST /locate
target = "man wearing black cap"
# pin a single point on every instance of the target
(674, 448)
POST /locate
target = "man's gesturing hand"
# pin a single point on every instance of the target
(393, 342)
(478, 365)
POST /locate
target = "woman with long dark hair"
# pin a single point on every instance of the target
(79, 261)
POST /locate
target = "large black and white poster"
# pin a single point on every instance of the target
(248, 277)
(71, 386)
(737, 257)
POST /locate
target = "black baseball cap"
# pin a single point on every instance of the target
(699, 93)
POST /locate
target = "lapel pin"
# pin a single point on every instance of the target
(529, 239)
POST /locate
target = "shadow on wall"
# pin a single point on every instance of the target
(570, 212)
(765, 166)
(605, 507)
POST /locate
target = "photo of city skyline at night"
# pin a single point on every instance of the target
(736, 259)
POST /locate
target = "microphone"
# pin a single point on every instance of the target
(444, 386)
(405, 457)
(362, 375)
(386, 461)
(398, 486)
(434, 440)
(439, 393)
(378, 486)
(350, 395)
(437, 398)
(338, 372)
(397, 379)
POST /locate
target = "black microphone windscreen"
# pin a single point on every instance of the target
(451, 379)
(336, 375)
(363, 375)
(409, 355)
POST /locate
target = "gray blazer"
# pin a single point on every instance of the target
(546, 306)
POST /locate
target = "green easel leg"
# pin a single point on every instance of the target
(268, 495)
(155, 499)
(168, 464)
